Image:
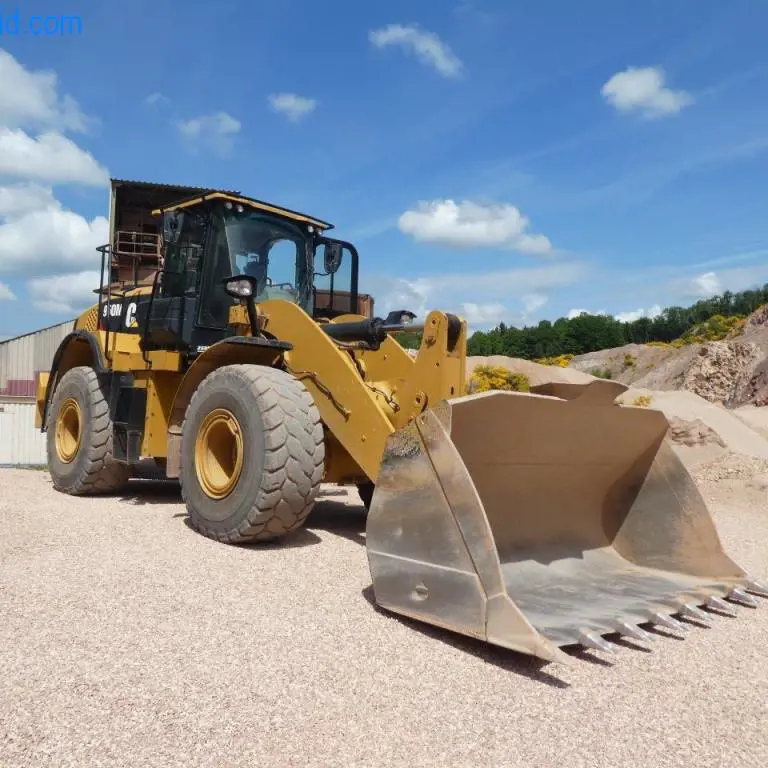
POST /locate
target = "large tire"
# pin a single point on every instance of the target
(79, 437)
(252, 454)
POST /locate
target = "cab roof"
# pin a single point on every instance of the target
(246, 201)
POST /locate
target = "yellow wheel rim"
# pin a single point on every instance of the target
(219, 453)
(68, 430)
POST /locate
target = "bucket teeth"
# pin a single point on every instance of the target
(630, 630)
(692, 612)
(667, 621)
(757, 588)
(597, 642)
(740, 596)
(720, 605)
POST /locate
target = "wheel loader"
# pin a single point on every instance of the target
(246, 366)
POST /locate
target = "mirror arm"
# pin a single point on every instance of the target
(250, 306)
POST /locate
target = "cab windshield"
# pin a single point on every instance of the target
(273, 252)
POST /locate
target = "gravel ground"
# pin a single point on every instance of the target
(127, 639)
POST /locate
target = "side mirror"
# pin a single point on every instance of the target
(332, 257)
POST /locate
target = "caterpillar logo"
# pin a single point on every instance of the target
(114, 312)
(130, 316)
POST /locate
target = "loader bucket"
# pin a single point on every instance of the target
(535, 521)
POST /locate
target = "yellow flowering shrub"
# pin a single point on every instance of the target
(642, 401)
(561, 361)
(490, 377)
(715, 329)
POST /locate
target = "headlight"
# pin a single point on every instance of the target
(239, 287)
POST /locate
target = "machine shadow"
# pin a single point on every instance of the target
(302, 538)
(510, 661)
(340, 519)
(141, 491)
(331, 513)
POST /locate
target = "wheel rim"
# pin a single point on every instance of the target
(219, 453)
(68, 430)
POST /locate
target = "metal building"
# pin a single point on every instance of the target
(20, 360)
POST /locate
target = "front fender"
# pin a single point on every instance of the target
(77, 348)
(230, 351)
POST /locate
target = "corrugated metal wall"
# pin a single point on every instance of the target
(20, 360)
(20, 442)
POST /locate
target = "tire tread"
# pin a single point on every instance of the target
(294, 458)
(100, 472)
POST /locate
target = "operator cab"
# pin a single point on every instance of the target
(210, 239)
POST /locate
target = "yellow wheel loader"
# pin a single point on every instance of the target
(246, 365)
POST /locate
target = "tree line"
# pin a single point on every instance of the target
(591, 333)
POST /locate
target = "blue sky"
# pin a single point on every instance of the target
(506, 161)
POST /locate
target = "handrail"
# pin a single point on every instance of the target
(147, 320)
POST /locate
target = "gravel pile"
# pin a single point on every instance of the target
(732, 466)
(722, 371)
(127, 639)
(692, 432)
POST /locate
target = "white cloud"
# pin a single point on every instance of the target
(636, 314)
(577, 312)
(156, 98)
(484, 315)
(51, 158)
(30, 99)
(29, 102)
(397, 293)
(64, 294)
(506, 283)
(707, 284)
(473, 12)
(685, 288)
(426, 46)
(467, 224)
(291, 105)
(533, 302)
(217, 130)
(642, 88)
(483, 298)
(6, 294)
(23, 198)
(38, 235)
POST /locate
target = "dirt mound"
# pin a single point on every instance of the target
(733, 371)
(700, 430)
(685, 409)
(657, 367)
(536, 373)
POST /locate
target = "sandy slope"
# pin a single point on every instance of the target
(732, 371)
